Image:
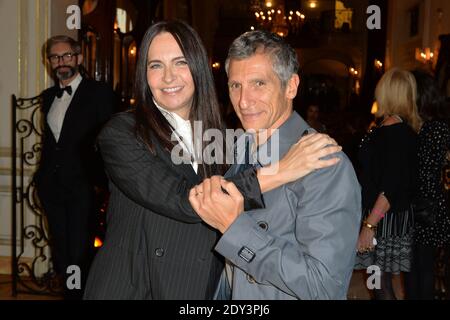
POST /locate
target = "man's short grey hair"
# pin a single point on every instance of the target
(75, 45)
(283, 56)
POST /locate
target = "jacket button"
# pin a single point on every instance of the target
(263, 225)
(159, 252)
(250, 279)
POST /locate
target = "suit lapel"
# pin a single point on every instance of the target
(280, 143)
(49, 97)
(74, 106)
(185, 170)
(189, 172)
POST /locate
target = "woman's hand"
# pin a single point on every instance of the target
(304, 156)
(365, 240)
(301, 159)
(217, 208)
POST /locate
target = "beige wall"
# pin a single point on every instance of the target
(8, 85)
(400, 46)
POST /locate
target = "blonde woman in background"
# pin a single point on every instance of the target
(388, 158)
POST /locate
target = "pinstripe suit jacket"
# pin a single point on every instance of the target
(156, 247)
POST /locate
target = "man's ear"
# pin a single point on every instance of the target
(292, 86)
(79, 59)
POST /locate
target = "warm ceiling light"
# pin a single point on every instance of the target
(313, 4)
(268, 4)
(279, 11)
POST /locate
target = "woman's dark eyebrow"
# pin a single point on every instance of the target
(155, 60)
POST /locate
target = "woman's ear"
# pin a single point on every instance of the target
(292, 86)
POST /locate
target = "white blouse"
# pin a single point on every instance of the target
(183, 130)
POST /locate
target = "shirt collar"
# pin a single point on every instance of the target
(177, 122)
(278, 143)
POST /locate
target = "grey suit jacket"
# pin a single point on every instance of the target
(303, 244)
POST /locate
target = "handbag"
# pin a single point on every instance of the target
(424, 210)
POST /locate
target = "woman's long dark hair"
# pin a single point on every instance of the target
(205, 107)
(431, 103)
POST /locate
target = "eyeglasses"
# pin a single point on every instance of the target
(67, 57)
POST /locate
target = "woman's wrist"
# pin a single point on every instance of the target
(378, 213)
(278, 169)
(375, 216)
(271, 177)
(370, 226)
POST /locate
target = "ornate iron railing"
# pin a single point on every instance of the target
(33, 275)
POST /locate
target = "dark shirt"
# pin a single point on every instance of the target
(388, 159)
(434, 142)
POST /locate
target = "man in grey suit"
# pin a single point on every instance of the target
(303, 244)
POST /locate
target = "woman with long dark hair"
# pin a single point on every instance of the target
(433, 148)
(156, 246)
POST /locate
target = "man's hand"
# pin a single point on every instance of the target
(215, 207)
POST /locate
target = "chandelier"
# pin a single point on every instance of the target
(272, 16)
